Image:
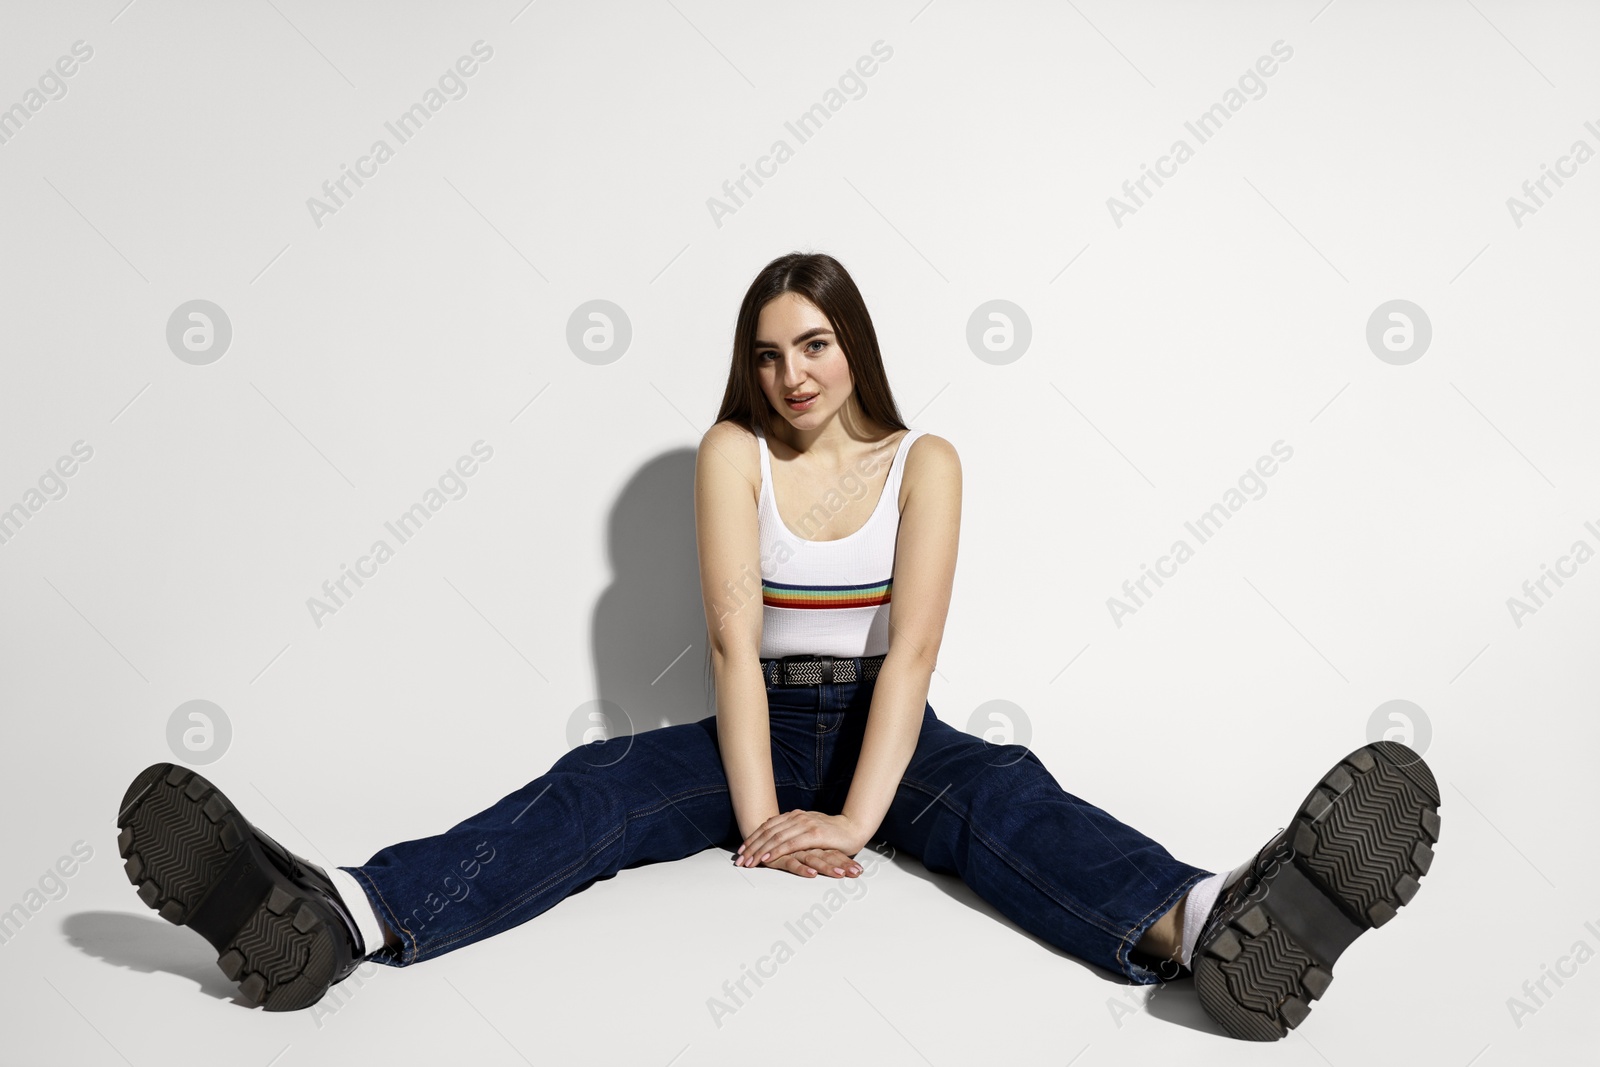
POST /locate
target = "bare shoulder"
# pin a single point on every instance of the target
(931, 458)
(728, 447)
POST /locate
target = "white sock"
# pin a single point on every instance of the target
(1197, 907)
(356, 902)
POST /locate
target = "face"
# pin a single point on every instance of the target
(797, 354)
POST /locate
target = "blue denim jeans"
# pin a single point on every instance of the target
(990, 814)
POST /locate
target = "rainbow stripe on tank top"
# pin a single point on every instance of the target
(784, 595)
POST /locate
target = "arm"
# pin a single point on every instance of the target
(924, 573)
(728, 540)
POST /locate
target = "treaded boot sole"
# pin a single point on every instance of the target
(1361, 842)
(195, 861)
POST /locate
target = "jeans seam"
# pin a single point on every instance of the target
(603, 843)
(1131, 938)
(519, 902)
(1095, 919)
(817, 761)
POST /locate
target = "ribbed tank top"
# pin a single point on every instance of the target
(830, 597)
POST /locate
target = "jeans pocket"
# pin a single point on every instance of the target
(803, 698)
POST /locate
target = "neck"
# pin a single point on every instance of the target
(837, 441)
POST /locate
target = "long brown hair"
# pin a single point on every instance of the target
(823, 281)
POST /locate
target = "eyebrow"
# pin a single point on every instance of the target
(807, 334)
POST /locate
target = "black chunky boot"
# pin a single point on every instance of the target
(278, 925)
(1353, 854)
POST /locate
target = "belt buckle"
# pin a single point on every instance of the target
(824, 663)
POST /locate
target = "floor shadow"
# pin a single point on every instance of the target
(1173, 1002)
(648, 628)
(648, 637)
(1178, 1003)
(149, 945)
(960, 891)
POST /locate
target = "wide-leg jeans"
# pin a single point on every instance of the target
(1054, 864)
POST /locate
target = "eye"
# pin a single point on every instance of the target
(767, 355)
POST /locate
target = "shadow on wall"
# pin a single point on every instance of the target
(648, 634)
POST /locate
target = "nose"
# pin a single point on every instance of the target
(791, 382)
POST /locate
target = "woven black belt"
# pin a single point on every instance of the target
(815, 670)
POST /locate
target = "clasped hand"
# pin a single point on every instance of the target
(806, 843)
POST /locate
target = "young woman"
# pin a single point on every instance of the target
(827, 536)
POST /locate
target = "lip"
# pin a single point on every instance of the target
(801, 406)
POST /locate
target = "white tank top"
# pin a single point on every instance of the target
(830, 597)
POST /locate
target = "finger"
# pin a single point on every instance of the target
(744, 845)
(792, 865)
(817, 859)
(778, 836)
(826, 861)
(793, 840)
(747, 847)
(840, 861)
(767, 849)
(847, 867)
(757, 844)
(780, 821)
(761, 834)
(760, 846)
(777, 841)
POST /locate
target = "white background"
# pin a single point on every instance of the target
(1168, 354)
